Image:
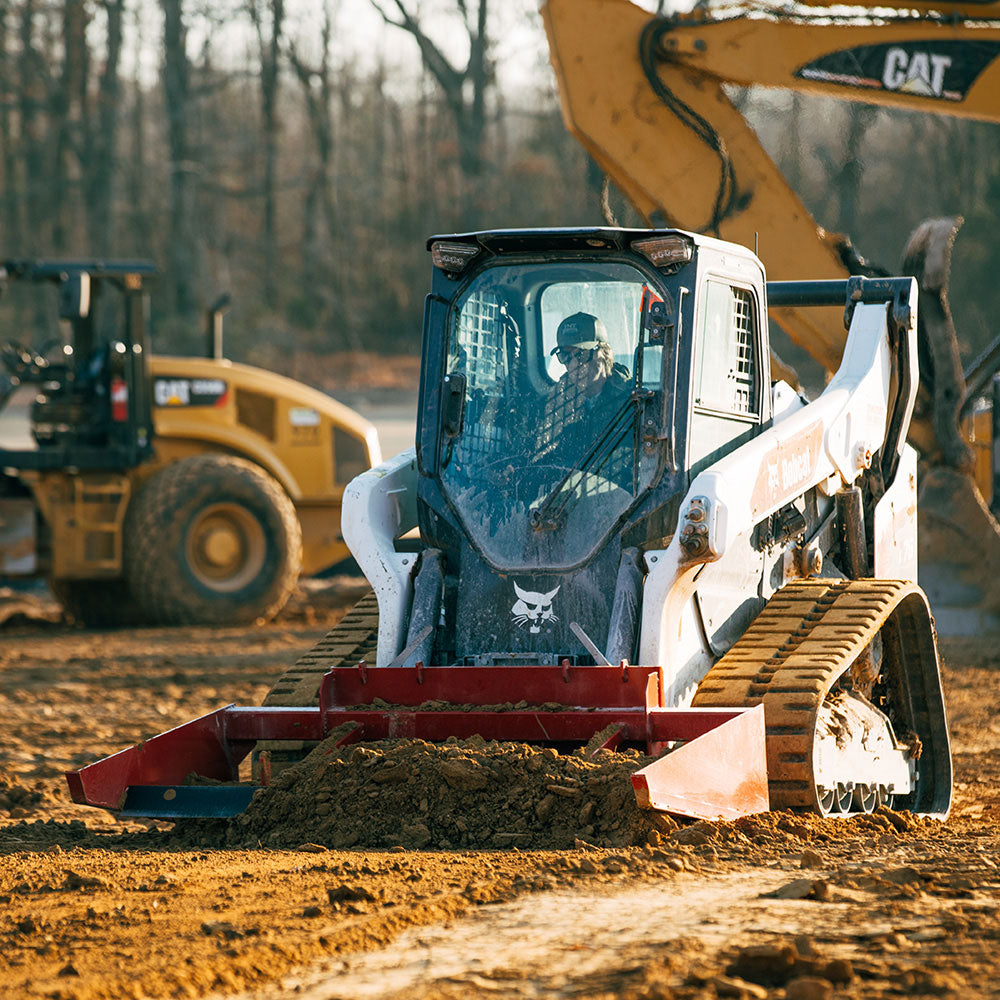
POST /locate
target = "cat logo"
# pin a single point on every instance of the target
(944, 70)
(533, 607)
(172, 392)
(176, 391)
(920, 73)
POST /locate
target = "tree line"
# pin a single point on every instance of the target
(247, 147)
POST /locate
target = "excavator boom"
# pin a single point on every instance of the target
(662, 127)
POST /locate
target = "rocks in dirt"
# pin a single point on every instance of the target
(802, 888)
(16, 800)
(222, 928)
(697, 835)
(465, 775)
(345, 893)
(765, 964)
(902, 876)
(467, 794)
(786, 963)
(810, 859)
(729, 986)
(74, 881)
(808, 988)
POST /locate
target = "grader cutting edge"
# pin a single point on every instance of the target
(604, 476)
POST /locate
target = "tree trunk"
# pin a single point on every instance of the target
(31, 100)
(182, 251)
(67, 106)
(103, 162)
(11, 219)
(318, 211)
(270, 70)
(465, 92)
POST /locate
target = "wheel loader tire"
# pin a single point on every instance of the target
(97, 603)
(212, 540)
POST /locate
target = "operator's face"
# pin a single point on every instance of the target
(583, 368)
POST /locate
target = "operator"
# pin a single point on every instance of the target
(582, 346)
(592, 390)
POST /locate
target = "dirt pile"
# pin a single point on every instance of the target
(461, 794)
(475, 794)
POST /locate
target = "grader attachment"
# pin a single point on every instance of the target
(720, 770)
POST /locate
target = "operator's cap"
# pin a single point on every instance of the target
(580, 330)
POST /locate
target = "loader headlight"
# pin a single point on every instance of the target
(452, 258)
(665, 251)
(698, 529)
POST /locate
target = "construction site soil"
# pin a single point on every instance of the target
(468, 869)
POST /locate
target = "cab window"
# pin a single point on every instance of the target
(726, 378)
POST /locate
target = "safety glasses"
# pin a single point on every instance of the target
(567, 354)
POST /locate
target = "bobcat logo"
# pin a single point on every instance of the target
(533, 607)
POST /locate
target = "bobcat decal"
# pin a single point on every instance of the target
(533, 607)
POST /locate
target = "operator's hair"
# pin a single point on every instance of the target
(605, 358)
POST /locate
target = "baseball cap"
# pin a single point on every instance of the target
(580, 330)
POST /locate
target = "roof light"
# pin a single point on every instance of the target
(664, 251)
(453, 257)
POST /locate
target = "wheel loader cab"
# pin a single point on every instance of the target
(540, 487)
(92, 411)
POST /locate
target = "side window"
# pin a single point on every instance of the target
(478, 352)
(727, 374)
(477, 347)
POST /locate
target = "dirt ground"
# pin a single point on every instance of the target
(446, 905)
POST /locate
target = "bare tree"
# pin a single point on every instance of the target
(31, 100)
(101, 161)
(182, 250)
(465, 89)
(268, 20)
(319, 213)
(11, 214)
(68, 113)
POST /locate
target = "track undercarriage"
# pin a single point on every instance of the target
(847, 673)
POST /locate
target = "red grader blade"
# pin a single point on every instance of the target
(716, 768)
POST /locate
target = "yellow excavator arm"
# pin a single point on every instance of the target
(645, 96)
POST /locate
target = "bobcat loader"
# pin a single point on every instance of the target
(697, 562)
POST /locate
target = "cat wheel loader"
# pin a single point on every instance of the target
(695, 561)
(650, 98)
(162, 489)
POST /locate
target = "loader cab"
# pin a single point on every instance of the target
(541, 487)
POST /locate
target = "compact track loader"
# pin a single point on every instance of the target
(678, 555)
